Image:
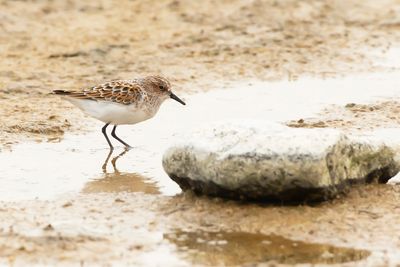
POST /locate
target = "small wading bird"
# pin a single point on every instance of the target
(122, 101)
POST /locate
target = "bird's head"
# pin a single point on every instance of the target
(160, 86)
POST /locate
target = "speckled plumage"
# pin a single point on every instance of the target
(122, 91)
(119, 91)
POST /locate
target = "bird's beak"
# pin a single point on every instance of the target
(174, 97)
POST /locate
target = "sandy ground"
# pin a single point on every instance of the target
(47, 45)
(110, 231)
(354, 117)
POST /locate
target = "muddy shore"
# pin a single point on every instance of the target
(202, 46)
(47, 45)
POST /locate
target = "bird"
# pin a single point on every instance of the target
(121, 102)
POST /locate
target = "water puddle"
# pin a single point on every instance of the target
(47, 170)
(239, 248)
(75, 164)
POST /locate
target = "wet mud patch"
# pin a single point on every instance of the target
(36, 117)
(241, 248)
(18, 247)
(354, 116)
(366, 218)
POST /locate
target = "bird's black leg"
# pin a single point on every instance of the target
(119, 139)
(105, 135)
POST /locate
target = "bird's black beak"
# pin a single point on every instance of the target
(174, 97)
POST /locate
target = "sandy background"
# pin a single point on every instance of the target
(200, 45)
(46, 45)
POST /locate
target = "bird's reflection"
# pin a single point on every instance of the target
(113, 161)
(116, 181)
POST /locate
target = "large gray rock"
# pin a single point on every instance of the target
(266, 161)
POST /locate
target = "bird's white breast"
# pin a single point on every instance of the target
(111, 112)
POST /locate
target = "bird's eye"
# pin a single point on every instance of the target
(162, 88)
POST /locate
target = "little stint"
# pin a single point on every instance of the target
(121, 102)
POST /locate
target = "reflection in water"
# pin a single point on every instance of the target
(118, 181)
(114, 160)
(237, 248)
(121, 182)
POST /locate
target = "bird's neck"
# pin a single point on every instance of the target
(153, 104)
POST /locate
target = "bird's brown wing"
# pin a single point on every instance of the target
(119, 91)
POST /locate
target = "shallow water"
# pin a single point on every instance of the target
(46, 170)
(238, 248)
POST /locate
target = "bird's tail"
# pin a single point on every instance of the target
(60, 92)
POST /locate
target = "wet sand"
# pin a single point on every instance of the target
(56, 196)
(88, 201)
(141, 229)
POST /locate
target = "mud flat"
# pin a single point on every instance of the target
(55, 196)
(79, 208)
(49, 45)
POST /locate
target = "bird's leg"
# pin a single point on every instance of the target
(105, 135)
(119, 139)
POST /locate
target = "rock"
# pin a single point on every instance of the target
(267, 161)
(389, 137)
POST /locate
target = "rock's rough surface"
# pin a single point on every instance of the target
(268, 161)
